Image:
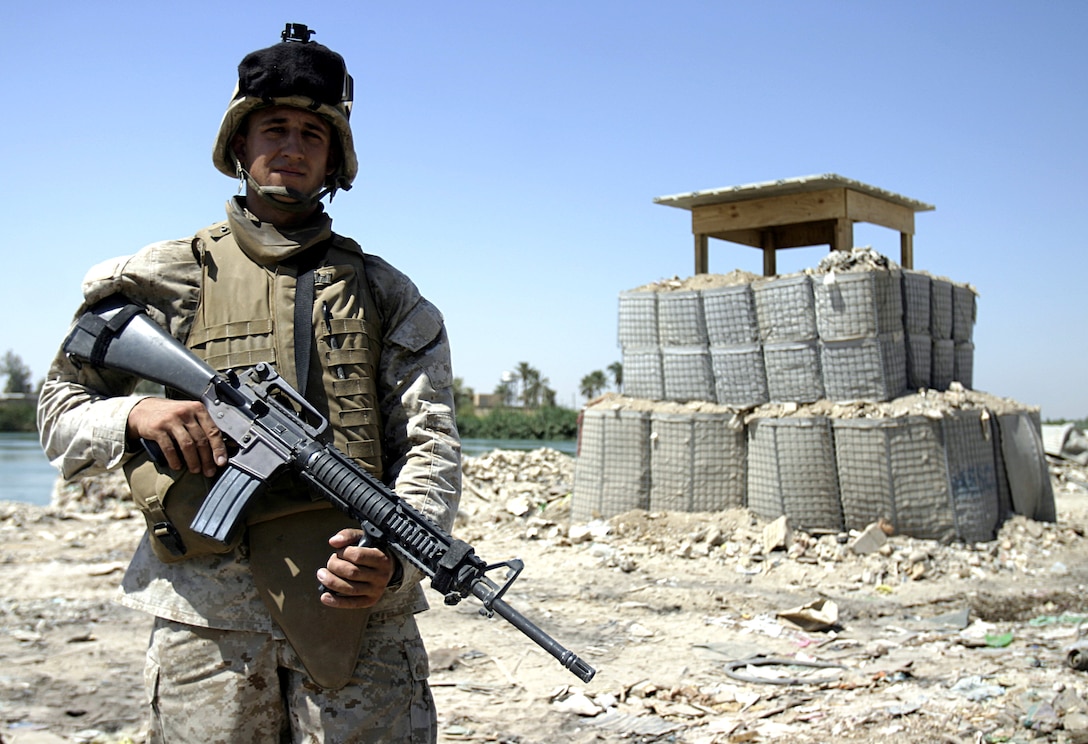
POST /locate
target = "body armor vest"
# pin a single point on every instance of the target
(246, 315)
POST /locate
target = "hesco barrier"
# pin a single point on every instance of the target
(612, 470)
(940, 309)
(638, 319)
(680, 320)
(916, 302)
(919, 348)
(856, 335)
(871, 368)
(933, 479)
(696, 461)
(856, 305)
(740, 378)
(952, 477)
(785, 309)
(791, 471)
(730, 316)
(963, 313)
(693, 358)
(686, 373)
(793, 371)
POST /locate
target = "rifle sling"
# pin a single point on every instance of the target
(304, 311)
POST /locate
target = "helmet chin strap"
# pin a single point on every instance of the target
(284, 197)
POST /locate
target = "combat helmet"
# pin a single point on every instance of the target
(296, 72)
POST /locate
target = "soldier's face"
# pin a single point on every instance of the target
(286, 146)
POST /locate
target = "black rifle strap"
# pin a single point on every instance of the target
(304, 311)
(104, 331)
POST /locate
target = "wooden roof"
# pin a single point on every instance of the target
(783, 187)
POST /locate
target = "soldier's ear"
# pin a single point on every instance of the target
(238, 147)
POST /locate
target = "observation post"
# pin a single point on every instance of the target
(794, 213)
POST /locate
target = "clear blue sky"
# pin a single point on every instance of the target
(510, 153)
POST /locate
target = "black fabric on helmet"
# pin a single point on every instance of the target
(293, 69)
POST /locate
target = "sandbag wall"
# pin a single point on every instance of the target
(695, 358)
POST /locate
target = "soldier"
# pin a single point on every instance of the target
(244, 646)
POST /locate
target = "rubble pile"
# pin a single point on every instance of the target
(860, 258)
(528, 493)
(97, 494)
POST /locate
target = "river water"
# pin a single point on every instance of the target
(26, 475)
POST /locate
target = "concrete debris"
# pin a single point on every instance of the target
(870, 540)
(1067, 442)
(776, 535)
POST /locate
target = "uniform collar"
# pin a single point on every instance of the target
(266, 244)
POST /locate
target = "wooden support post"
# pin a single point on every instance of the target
(843, 237)
(906, 250)
(767, 243)
(702, 251)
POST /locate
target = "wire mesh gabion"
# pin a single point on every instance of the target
(730, 315)
(859, 304)
(687, 373)
(680, 320)
(919, 360)
(916, 302)
(963, 312)
(972, 474)
(864, 369)
(940, 309)
(638, 319)
(642, 373)
(740, 378)
(791, 471)
(785, 309)
(942, 363)
(612, 470)
(963, 363)
(894, 469)
(793, 371)
(697, 461)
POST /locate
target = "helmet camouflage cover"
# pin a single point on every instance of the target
(300, 73)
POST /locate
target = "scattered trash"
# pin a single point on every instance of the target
(821, 614)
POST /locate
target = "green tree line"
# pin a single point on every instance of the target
(17, 415)
(526, 405)
(527, 408)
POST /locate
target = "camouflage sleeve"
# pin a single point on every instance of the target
(421, 446)
(83, 412)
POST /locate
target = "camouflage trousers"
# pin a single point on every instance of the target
(208, 686)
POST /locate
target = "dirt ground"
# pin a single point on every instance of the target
(686, 618)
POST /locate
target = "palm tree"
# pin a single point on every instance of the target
(593, 383)
(616, 370)
(533, 387)
(506, 392)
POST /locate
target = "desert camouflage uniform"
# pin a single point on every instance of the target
(215, 647)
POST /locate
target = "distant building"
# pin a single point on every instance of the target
(12, 398)
(484, 402)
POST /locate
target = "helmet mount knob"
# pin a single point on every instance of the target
(297, 32)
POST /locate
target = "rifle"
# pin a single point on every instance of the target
(274, 428)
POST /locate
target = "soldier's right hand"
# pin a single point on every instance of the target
(184, 432)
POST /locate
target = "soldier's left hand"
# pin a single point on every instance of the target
(355, 577)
